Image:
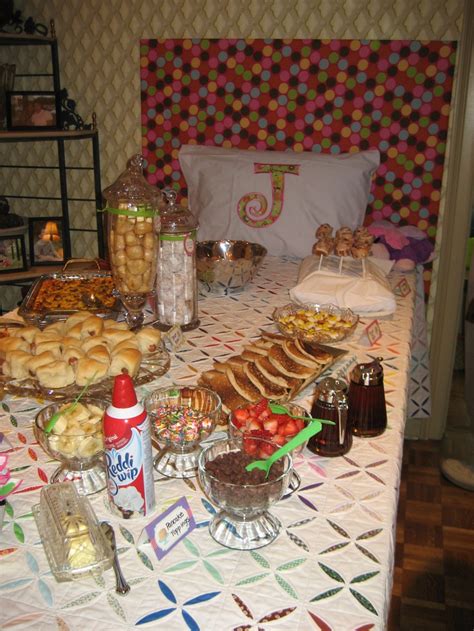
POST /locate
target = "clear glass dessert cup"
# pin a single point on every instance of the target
(243, 521)
(182, 417)
(81, 454)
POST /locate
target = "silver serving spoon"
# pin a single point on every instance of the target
(92, 301)
(121, 585)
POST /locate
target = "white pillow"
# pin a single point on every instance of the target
(275, 198)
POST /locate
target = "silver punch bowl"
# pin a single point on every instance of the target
(225, 267)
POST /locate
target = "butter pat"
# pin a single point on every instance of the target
(70, 533)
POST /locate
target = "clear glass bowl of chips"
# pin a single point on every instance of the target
(315, 323)
(76, 440)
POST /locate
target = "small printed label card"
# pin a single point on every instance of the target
(174, 338)
(402, 288)
(169, 528)
(372, 334)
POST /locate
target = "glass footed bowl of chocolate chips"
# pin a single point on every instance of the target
(243, 498)
(182, 417)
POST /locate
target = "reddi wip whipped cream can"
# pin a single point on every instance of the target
(128, 453)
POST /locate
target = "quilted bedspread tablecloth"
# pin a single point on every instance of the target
(329, 569)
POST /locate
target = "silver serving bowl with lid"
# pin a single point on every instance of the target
(225, 267)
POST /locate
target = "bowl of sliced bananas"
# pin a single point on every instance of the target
(72, 433)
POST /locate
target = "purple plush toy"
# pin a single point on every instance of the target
(407, 246)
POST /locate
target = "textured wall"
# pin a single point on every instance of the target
(99, 51)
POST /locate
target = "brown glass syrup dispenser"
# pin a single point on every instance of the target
(367, 409)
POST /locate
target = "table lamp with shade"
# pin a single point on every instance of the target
(51, 232)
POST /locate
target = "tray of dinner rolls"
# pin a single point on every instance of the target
(271, 366)
(54, 297)
(58, 361)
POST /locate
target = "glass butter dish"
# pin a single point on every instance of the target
(70, 533)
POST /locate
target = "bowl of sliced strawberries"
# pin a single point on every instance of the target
(273, 422)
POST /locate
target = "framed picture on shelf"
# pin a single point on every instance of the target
(46, 240)
(12, 254)
(32, 110)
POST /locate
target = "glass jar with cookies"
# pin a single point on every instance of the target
(133, 225)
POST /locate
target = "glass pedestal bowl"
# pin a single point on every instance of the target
(182, 417)
(243, 521)
(79, 448)
(273, 427)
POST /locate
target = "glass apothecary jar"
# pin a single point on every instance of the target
(133, 225)
(176, 279)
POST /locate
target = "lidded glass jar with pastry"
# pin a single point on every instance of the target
(133, 225)
(176, 280)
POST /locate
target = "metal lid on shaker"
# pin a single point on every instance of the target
(332, 391)
(369, 374)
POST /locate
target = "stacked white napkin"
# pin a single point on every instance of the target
(358, 285)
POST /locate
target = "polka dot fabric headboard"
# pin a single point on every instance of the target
(306, 95)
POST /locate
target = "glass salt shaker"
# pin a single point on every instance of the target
(176, 281)
(367, 409)
(331, 404)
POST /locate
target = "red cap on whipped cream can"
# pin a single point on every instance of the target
(128, 454)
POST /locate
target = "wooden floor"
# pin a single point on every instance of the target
(434, 561)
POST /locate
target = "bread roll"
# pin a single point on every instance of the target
(75, 331)
(9, 344)
(58, 374)
(68, 342)
(50, 336)
(89, 371)
(40, 360)
(93, 325)
(113, 324)
(53, 347)
(95, 340)
(27, 333)
(130, 343)
(125, 361)
(16, 365)
(115, 336)
(99, 353)
(56, 330)
(148, 340)
(72, 354)
(76, 318)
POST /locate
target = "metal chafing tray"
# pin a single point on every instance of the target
(86, 300)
